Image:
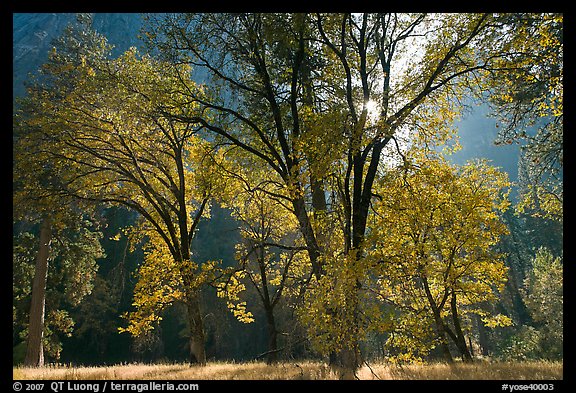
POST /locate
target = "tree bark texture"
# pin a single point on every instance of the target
(197, 338)
(35, 350)
(272, 337)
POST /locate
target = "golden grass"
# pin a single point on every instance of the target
(536, 370)
(212, 371)
(308, 370)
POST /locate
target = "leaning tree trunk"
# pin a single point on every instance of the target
(444, 343)
(441, 328)
(460, 339)
(34, 350)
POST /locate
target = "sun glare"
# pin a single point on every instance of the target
(373, 110)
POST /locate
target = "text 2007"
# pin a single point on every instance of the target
(34, 386)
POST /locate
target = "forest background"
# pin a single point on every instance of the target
(94, 270)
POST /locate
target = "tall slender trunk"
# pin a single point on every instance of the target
(34, 350)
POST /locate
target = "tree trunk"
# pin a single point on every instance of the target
(444, 345)
(272, 336)
(197, 338)
(34, 350)
(441, 329)
(483, 337)
(308, 234)
(346, 362)
(460, 339)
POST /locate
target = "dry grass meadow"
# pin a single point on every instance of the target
(297, 370)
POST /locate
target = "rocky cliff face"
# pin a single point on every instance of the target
(33, 34)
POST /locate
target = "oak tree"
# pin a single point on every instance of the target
(434, 235)
(271, 256)
(318, 99)
(99, 123)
